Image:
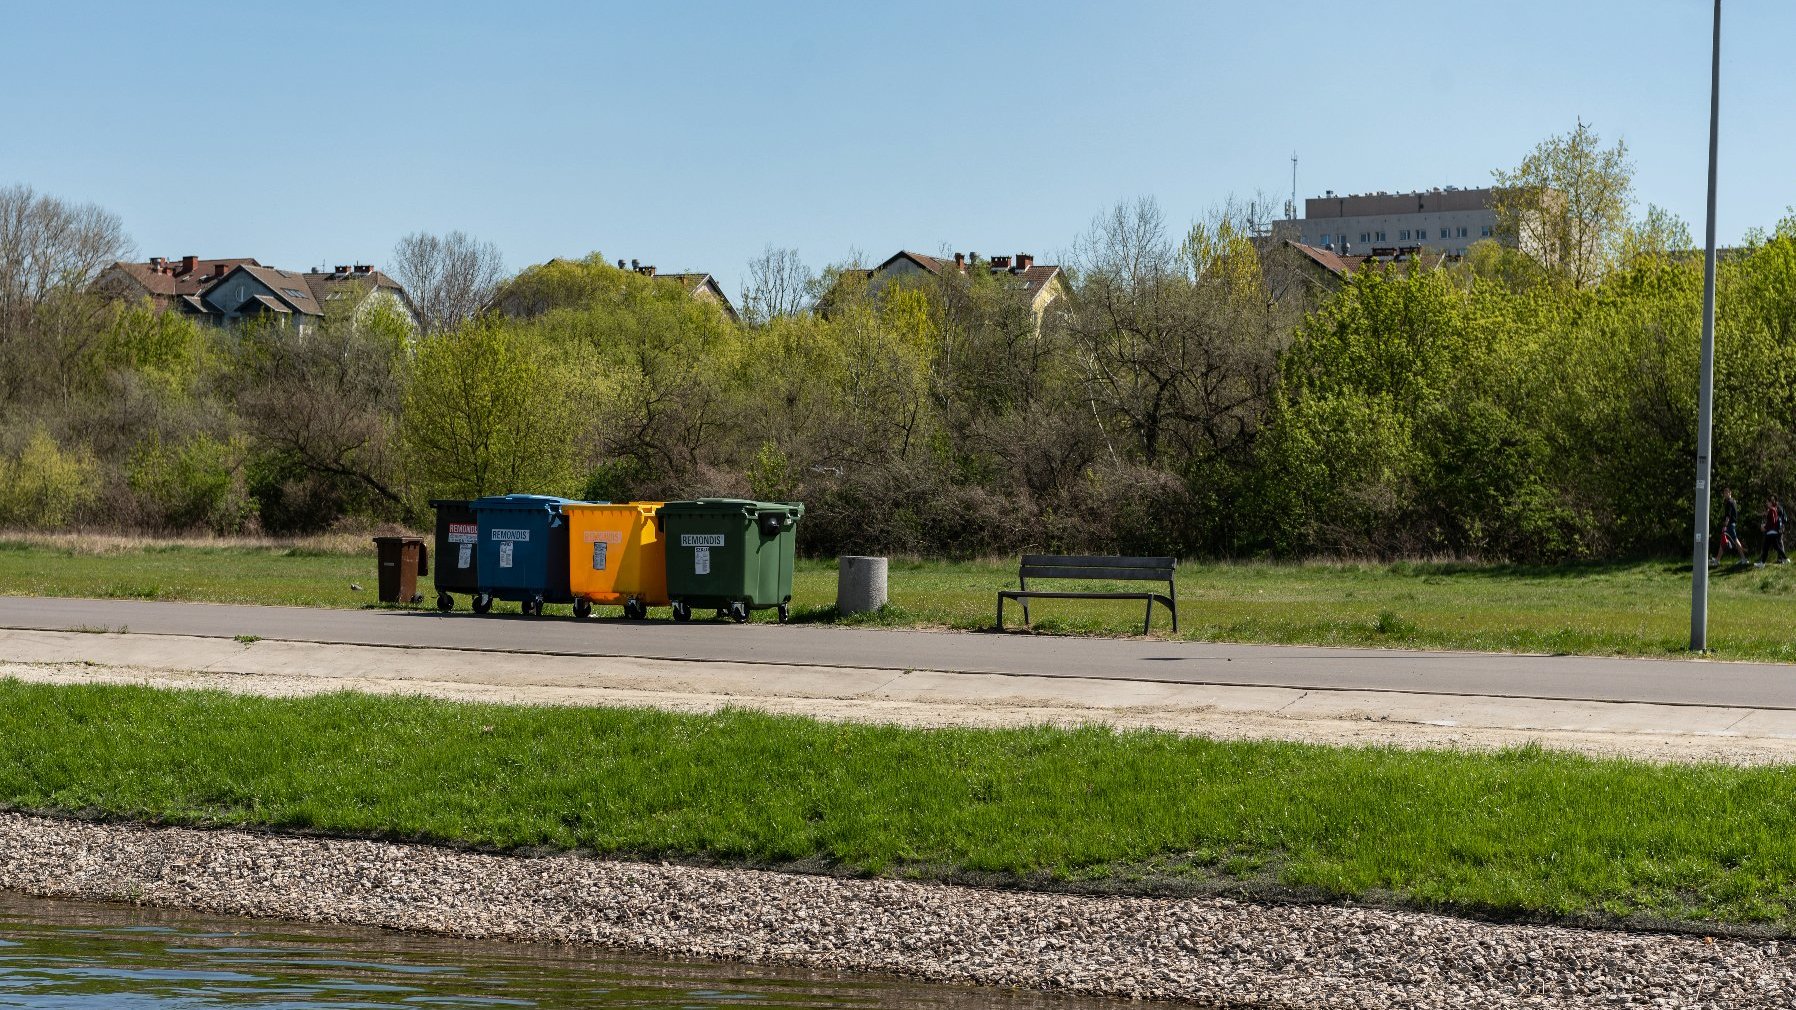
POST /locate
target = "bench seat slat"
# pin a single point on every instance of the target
(1095, 561)
(1096, 573)
(1017, 594)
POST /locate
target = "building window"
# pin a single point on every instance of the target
(1485, 231)
(1403, 236)
(1327, 238)
(1380, 236)
(1364, 237)
(1444, 233)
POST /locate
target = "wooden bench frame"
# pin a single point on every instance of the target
(1080, 566)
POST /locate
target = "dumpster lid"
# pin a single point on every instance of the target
(733, 504)
(519, 501)
(449, 503)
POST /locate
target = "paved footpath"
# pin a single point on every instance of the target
(1562, 678)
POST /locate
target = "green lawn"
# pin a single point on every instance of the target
(1635, 608)
(1527, 833)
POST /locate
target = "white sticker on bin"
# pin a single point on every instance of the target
(505, 548)
(599, 550)
(701, 561)
(464, 556)
(701, 540)
(511, 534)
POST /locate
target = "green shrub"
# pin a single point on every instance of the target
(195, 485)
(46, 486)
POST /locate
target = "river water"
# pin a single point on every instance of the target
(58, 955)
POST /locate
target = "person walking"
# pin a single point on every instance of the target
(1730, 528)
(1774, 533)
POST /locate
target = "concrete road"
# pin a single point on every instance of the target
(1567, 678)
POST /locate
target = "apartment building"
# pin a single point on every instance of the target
(1448, 219)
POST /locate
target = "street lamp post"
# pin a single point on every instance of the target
(1699, 590)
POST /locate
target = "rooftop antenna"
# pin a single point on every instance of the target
(1293, 214)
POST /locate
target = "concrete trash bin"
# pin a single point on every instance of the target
(860, 584)
(401, 560)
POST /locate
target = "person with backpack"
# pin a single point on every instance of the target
(1774, 533)
(1730, 528)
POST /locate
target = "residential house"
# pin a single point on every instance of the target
(303, 298)
(701, 286)
(225, 290)
(1041, 284)
(168, 284)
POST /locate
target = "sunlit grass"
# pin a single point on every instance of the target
(1524, 833)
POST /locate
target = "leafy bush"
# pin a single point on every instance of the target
(45, 486)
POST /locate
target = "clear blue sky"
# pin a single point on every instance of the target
(690, 135)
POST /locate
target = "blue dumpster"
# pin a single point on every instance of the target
(522, 553)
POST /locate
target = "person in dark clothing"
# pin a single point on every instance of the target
(1774, 533)
(1730, 528)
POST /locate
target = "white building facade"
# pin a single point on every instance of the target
(1388, 224)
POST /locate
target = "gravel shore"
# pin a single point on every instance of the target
(1213, 952)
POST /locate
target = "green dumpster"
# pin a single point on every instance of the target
(731, 554)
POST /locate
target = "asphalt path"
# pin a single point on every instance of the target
(1571, 678)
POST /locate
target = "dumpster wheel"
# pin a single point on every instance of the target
(445, 602)
(739, 612)
(681, 612)
(785, 612)
(582, 608)
(482, 603)
(634, 610)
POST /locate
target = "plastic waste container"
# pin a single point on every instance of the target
(522, 551)
(615, 557)
(458, 563)
(401, 560)
(731, 554)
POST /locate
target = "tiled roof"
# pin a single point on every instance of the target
(322, 283)
(289, 286)
(1034, 277)
(168, 280)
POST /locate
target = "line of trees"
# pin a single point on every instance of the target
(1199, 392)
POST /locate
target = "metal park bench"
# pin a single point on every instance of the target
(1075, 566)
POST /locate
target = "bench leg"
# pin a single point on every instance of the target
(1149, 619)
(1000, 611)
(1175, 616)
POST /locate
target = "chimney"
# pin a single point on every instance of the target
(156, 264)
(342, 268)
(960, 262)
(648, 271)
(1000, 263)
(188, 263)
(1024, 261)
(364, 268)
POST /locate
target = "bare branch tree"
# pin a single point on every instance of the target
(779, 284)
(450, 278)
(50, 249)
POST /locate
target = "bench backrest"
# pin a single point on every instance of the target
(1084, 566)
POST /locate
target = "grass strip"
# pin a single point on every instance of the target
(1632, 608)
(1523, 834)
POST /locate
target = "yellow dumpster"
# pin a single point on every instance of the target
(616, 557)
